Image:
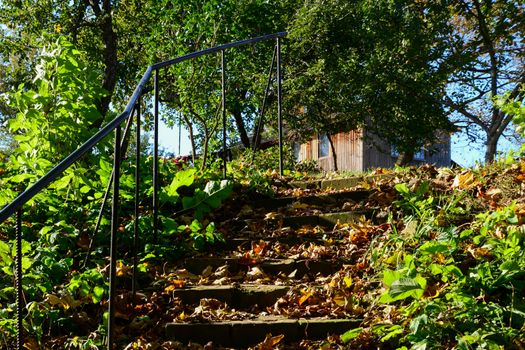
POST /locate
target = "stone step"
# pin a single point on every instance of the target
(245, 243)
(319, 200)
(338, 184)
(327, 220)
(251, 332)
(236, 296)
(275, 267)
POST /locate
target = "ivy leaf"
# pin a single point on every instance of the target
(405, 287)
(351, 334)
(98, 294)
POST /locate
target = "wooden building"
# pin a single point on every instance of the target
(360, 150)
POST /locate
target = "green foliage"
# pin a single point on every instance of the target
(52, 119)
(453, 285)
(57, 116)
(514, 108)
(210, 198)
(373, 63)
(310, 166)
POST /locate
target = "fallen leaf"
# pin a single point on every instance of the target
(175, 284)
(53, 300)
(122, 270)
(306, 295)
(464, 181)
(269, 342)
(258, 248)
(31, 344)
(348, 281)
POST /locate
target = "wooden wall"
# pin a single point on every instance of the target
(377, 153)
(348, 147)
(355, 153)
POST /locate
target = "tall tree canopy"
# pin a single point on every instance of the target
(398, 66)
(488, 46)
(371, 62)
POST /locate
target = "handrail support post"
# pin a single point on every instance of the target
(156, 157)
(279, 106)
(113, 239)
(223, 107)
(18, 282)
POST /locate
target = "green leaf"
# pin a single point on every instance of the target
(351, 334)
(433, 247)
(402, 188)
(188, 202)
(182, 178)
(5, 254)
(405, 287)
(20, 178)
(217, 192)
(390, 276)
(392, 332)
(170, 226)
(417, 322)
(98, 294)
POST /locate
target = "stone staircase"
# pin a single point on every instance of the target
(281, 256)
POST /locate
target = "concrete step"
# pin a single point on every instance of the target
(319, 200)
(275, 267)
(236, 296)
(250, 332)
(327, 220)
(245, 244)
(339, 184)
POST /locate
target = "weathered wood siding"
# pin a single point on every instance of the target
(377, 152)
(359, 151)
(348, 147)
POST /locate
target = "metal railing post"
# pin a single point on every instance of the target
(18, 282)
(137, 199)
(156, 157)
(279, 106)
(263, 108)
(223, 87)
(113, 240)
(123, 147)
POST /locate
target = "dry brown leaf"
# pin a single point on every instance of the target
(207, 271)
(175, 284)
(305, 296)
(122, 270)
(53, 300)
(31, 344)
(465, 181)
(269, 342)
(259, 248)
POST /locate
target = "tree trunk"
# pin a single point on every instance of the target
(192, 137)
(404, 158)
(110, 62)
(205, 148)
(109, 37)
(237, 115)
(334, 155)
(492, 147)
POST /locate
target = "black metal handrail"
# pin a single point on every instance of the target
(15, 207)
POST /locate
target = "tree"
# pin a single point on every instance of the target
(373, 63)
(193, 88)
(88, 24)
(487, 46)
